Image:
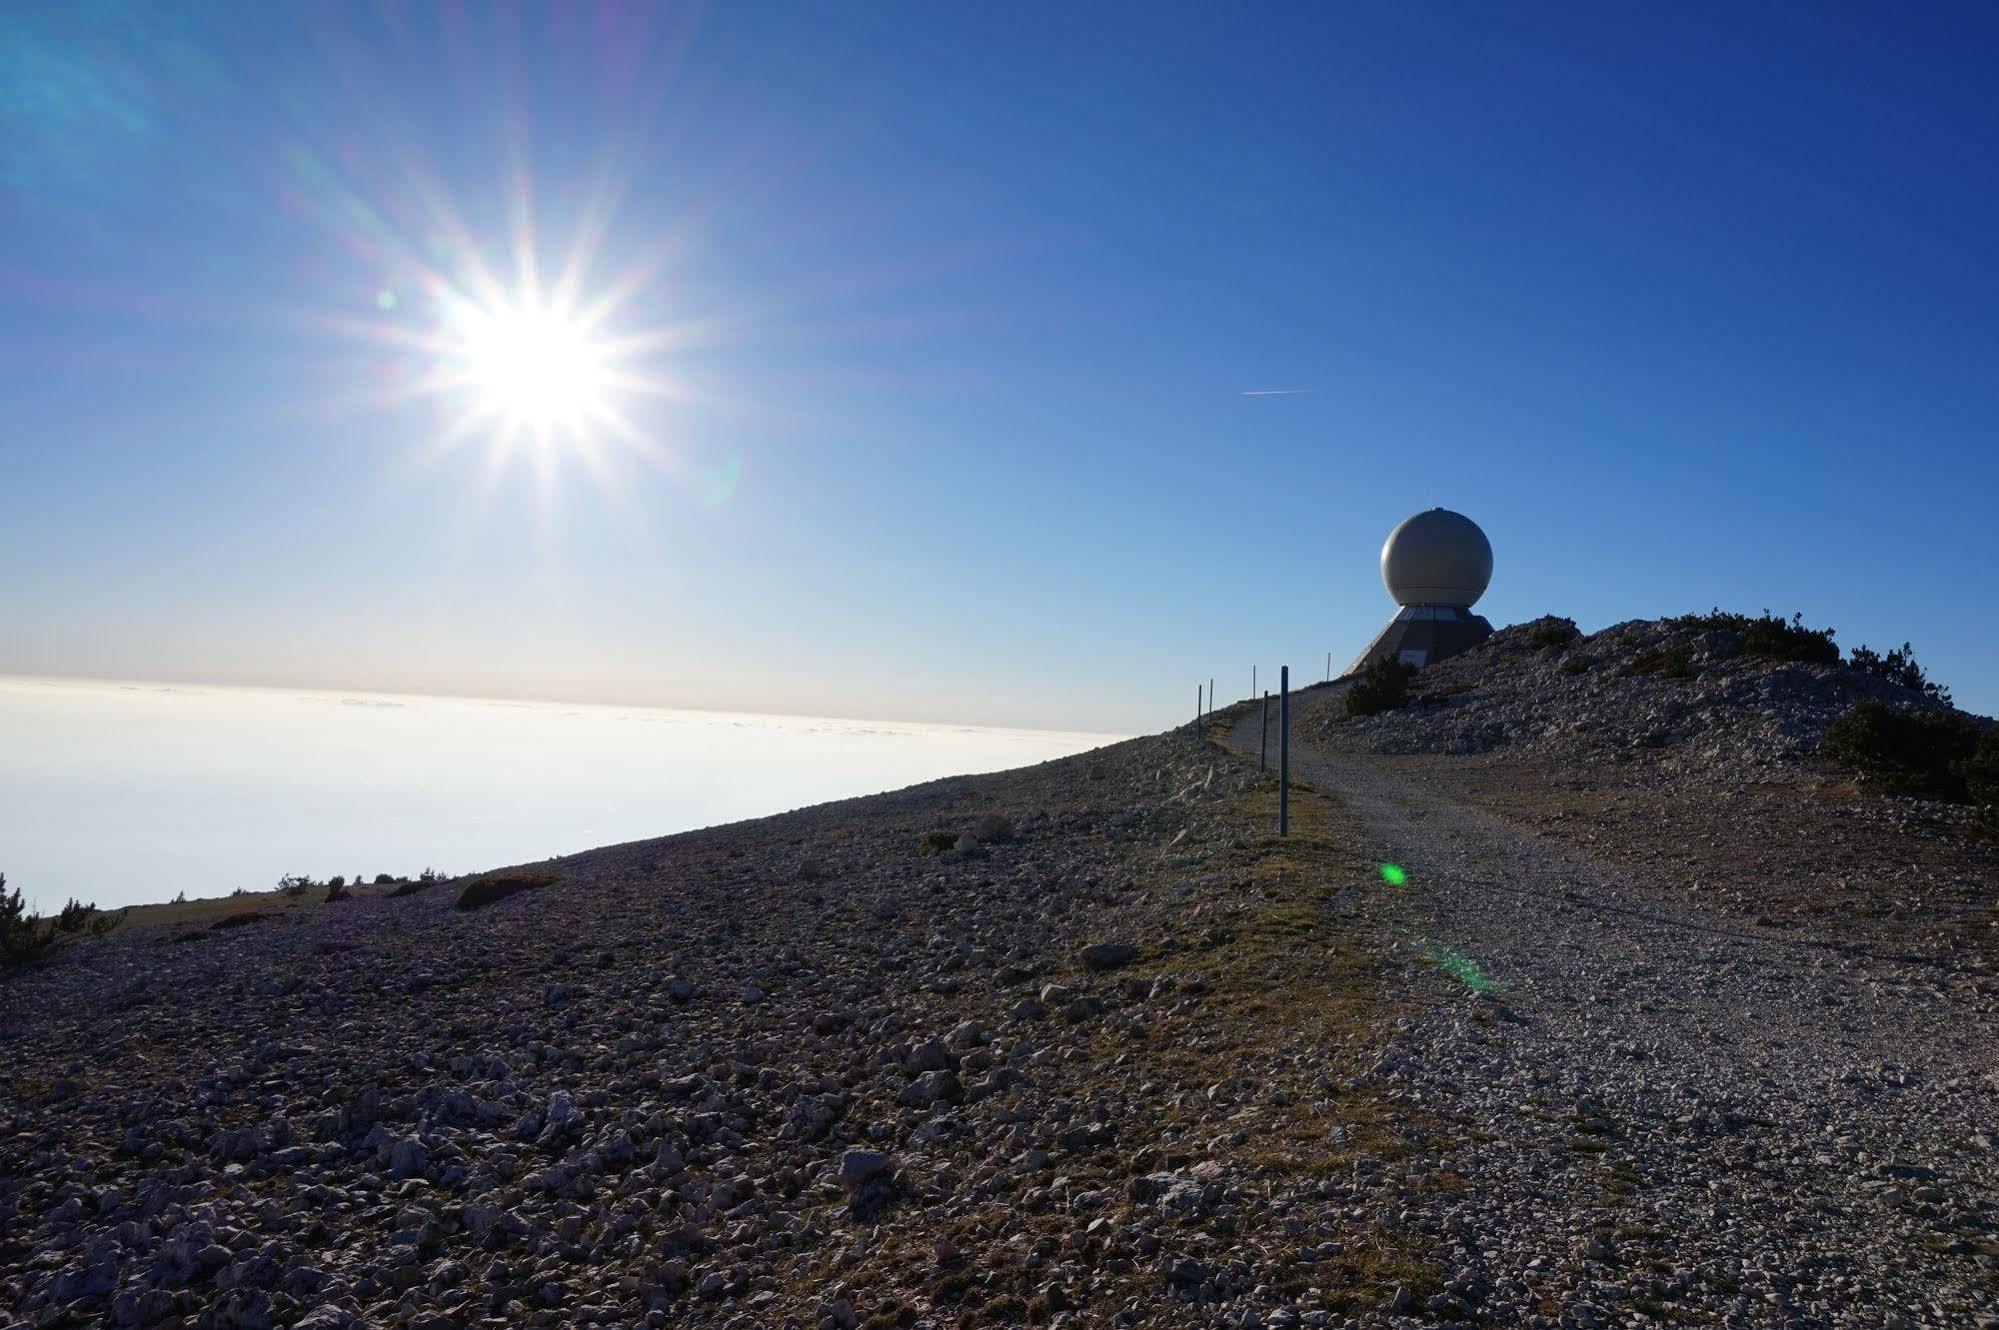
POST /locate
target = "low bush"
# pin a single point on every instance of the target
(25, 935)
(384, 879)
(1768, 636)
(1980, 771)
(1382, 686)
(295, 884)
(1898, 667)
(408, 888)
(236, 920)
(1552, 631)
(1934, 753)
(1673, 662)
(76, 917)
(1576, 665)
(938, 842)
(498, 886)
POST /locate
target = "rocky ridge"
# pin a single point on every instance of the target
(1690, 699)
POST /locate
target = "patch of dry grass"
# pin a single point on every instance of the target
(488, 888)
(1292, 997)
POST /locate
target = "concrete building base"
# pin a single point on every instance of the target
(1424, 634)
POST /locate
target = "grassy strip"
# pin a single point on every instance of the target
(1295, 999)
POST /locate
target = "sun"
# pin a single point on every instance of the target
(529, 367)
(544, 357)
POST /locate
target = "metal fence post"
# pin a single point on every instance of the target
(1284, 751)
(1263, 738)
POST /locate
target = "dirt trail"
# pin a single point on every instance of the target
(1667, 1114)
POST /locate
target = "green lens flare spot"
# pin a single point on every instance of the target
(1462, 967)
(1393, 875)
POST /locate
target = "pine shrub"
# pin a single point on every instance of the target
(1897, 667)
(1382, 686)
(1769, 636)
(1933, 753)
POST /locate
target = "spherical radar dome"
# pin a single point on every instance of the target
(1436, 558)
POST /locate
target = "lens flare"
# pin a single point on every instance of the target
(1394, 875)
(1463, 968)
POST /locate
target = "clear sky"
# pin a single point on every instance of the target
(934, 352)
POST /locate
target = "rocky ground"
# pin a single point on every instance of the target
(1082, 1044)
(1075, 1044)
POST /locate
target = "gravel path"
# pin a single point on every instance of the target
(1667, 1117)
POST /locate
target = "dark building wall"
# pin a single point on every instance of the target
(1425, 634)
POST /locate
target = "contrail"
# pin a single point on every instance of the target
(1275, 392)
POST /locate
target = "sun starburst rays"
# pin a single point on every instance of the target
(528, 324)
(521, 363)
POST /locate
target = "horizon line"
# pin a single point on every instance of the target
(539, 701)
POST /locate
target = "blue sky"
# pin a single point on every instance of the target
(953, 310)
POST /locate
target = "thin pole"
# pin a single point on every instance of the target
(1263, 739)
(1284, 751)
(1211, 696)
(1329, 667)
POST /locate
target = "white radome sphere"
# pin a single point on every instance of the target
(1436, 558)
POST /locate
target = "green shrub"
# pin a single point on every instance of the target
(237, 920)
(1382, 686)
(1769, 636)
(498, 886)
(938, 842)
(1552, 631)
(1935, 753)
(1980, 770)
(23, 936)
(1576, 665)
(76, 917)
(1897, 667)
(1674, 662)
(408, 888)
